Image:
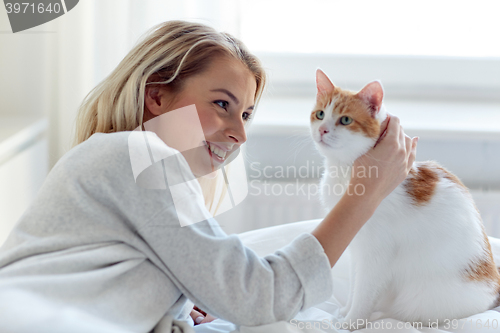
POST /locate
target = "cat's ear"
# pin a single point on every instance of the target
(372, 94)
(323, 83)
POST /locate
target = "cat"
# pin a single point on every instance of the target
(424, 255)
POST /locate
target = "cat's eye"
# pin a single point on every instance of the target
(320, 114)
(345, 120)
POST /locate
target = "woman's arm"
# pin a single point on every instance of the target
(393, 157)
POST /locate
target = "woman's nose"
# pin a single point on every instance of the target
(236, 131)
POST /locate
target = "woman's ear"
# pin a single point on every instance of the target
(155, 100)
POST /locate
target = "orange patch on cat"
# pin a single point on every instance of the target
(421, 182)
(485, 268)
(322, 102)
(482, 270)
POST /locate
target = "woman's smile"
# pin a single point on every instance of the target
(217, 154)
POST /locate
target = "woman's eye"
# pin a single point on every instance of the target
(222, 104)
(246, 116)
(320, 114)
(345, 120)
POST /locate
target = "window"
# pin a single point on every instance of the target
(454, 28)
(424, 49)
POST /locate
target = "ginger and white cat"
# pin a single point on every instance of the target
(423, 256)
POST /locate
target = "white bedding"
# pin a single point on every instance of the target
(322, 318)
(319, 319)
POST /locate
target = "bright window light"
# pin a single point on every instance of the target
(454, 28)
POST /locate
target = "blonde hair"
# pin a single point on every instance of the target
(169, 52)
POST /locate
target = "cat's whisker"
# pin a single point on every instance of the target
(297, 143)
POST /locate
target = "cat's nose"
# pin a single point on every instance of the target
(323, 130)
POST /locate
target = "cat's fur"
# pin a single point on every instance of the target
(423, 256)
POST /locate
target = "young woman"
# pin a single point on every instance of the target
(96, 244)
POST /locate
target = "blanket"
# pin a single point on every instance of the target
(325, 317)
(322, 318)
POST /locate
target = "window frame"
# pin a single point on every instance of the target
(426, 77)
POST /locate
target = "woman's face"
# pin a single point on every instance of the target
(224, 98)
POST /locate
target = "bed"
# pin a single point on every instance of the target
(323, 317)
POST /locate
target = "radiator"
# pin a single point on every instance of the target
(272, 203)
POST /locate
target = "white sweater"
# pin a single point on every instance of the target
(95, 242)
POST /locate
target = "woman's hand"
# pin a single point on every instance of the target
(387, 164)
(200, 317)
